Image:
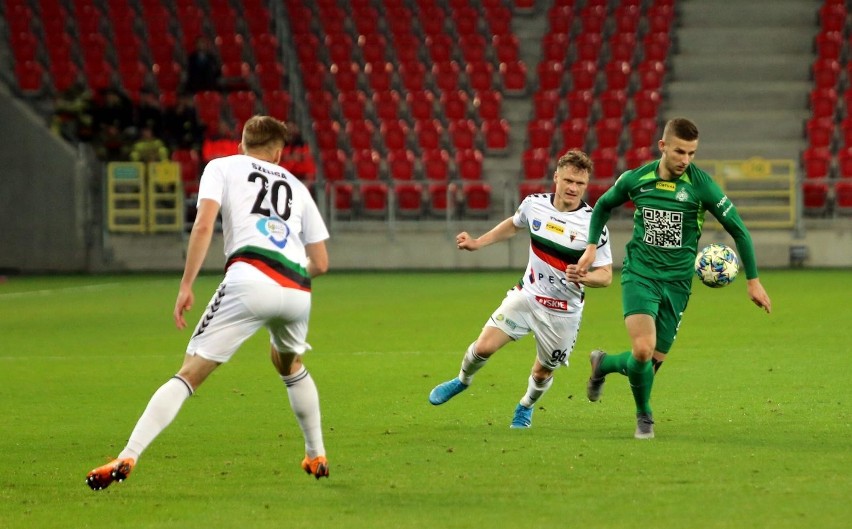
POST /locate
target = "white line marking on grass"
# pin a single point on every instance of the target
(68, 290)
(373, 353)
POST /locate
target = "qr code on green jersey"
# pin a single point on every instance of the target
(663, 229)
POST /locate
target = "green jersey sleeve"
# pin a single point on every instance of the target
(720, 206)
(611, 199)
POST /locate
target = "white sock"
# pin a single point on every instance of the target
(535, 390)
(471, 363)
(304, 400)
(161, 410)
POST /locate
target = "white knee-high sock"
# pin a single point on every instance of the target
(161, 410)
(304, 400)
(535, 390)
(471, 363)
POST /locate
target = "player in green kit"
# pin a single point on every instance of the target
(671, 197)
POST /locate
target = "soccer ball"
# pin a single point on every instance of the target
(716, 265)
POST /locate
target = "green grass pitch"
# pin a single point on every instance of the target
(753, 413)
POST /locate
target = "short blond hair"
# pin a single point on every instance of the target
(577, 159)
(264, 131)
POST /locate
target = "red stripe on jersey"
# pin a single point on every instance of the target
(553, 261)
(272, 273)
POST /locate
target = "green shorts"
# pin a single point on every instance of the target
(665, 301)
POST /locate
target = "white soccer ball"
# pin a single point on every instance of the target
(716, 265)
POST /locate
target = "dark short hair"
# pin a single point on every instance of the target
(575, 158)
(261, 131)
(681, 128)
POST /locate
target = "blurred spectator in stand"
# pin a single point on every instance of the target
(110, 143)
(149, 113)
(203, 68)
(149, 148)
(71, 118)
(296, 156)
(112, 108)
(223, 143)
(181, 127)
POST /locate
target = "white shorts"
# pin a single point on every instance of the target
(555, 334)
(238, 309)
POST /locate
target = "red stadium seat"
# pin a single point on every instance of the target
(536, 164)
(394, 134)
(374, 199)
(829, 44)
(342, 198)
(379, 76)
(637, 156)
(30, 77)
(646, 104)
(446, 75)
(613, 103)
(359, 134)
(550, 75)
(605, 161)
(208, 104)
(506, 47)
(530, 187)
(421, 105)
(844, 162)
(409, 198)
(574, 133)
(514, 77)
(334, 165)
(320, 105)
(546, 104)
(826, 72)
(441, 198)
(327, 134)
(401, 165)
(190, 165)
(463, 134)
(277, 104)
(843, 196)
(476, 199)
(816, 162)
(488, 104)
(455, 104)
(608, 133)
(587, 46)
(366, 164)
(386, 105)
(480, 76)
(412, 75)
(540, 134)
(429, 134)
(346, 75)
(583, 75)
(651, 74)
(468, 164)
(643, 132)
(436, 164)
(815, 196)
(353, 105)
(554, 47)
(243, 105)
(820, 132)
(595, 189)
(495, 133)
(823, 102)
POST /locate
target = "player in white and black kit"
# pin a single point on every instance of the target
(274, 240)
(548, 299)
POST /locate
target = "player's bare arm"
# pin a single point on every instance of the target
(498, 233)
(597, 278)
(317, 258)
(586, 260)
(199, 243)
(758, 295)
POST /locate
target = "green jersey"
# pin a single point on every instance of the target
(668, 220)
